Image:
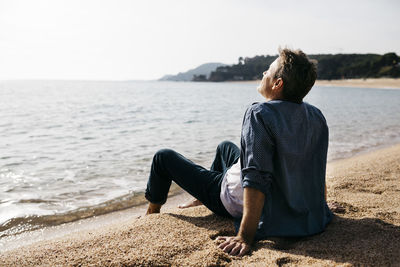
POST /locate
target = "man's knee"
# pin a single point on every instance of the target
(224, 145)
(163, 154)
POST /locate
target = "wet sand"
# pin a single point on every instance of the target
(365, 233)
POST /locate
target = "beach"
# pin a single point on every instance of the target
(364, 233)
(94, 99)
(384, 83)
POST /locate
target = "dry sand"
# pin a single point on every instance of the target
(366, 233)
(385, 83)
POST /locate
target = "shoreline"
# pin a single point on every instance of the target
(176, 196)
(380, 83)
(366, 184)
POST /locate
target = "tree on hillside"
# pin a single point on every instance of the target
(339, 66)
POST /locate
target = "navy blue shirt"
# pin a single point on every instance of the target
(283, 154)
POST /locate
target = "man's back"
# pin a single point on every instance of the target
(283, 154)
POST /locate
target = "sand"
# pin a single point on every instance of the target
(383, 83)
(386, 83)
(365, 233)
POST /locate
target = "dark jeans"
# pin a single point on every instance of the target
(203, 184)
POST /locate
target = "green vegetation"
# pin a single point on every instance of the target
(330, 67)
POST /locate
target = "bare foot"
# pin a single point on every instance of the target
(153, 208)
(192, 203)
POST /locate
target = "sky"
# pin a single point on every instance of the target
(146, 39)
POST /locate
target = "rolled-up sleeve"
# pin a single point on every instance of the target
(257, 151)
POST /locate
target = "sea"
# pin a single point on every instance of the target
(76, 149)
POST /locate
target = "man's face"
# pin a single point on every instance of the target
(265, 87)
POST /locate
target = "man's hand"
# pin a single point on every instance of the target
(253, 202)
(234, 245)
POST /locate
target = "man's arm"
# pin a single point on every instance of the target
(256, 159)
(253, 203)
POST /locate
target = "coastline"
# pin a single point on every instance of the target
(383, 83)
(176, 196)
(366, 185)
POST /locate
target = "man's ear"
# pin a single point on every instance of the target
(278, 85)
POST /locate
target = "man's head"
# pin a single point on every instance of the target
(290, 77)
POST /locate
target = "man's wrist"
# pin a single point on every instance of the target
(245, 237)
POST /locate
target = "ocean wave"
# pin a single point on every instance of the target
(28, 223)
(19, 225)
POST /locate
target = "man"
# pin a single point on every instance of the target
(277, 188)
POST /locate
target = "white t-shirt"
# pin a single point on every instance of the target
(232, 191)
